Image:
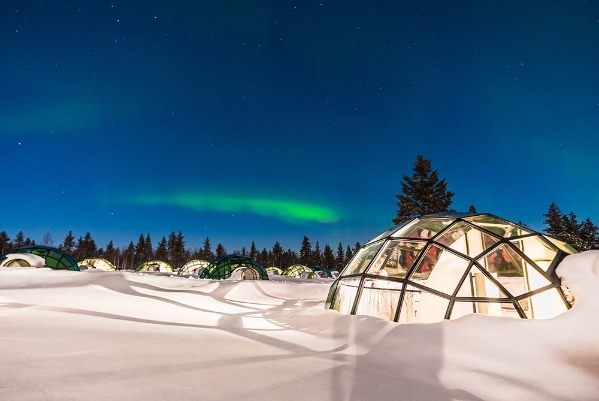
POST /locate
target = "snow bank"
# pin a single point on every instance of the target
(112, 335)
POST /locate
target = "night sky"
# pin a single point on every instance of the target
(269, 121)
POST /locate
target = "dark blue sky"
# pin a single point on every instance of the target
(268, 121)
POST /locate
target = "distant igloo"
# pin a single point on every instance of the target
(297, 270)
(273, 271)
(21, 260)
(155, 266)
(223, 267)
(53, 258)
(445, 266)
(194, 267)
(96, 264)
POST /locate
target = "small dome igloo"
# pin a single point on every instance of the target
(448, 265)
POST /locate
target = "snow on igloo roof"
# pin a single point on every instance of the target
(448, 265)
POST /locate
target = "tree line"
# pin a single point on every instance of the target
(173, 251)
(422, 193)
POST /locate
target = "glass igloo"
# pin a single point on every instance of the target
(53, 258)
(448, 265)
(236, 267)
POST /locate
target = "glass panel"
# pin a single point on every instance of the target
(430, 308)
(535, 279)
(537, 250)
(507, 267)
(362, 259)
(545, 305)
(478, 285)
(391, 231)
(346, 295)
(379, 298)
(441, 270)
(397, 258)
(455, 237)
(563, 246)
(501, 227)
(504, 309)
(409, 306)
(424, 228)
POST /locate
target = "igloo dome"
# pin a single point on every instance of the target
(448, 265)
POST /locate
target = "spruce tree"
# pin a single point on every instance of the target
(472, 209)
(554, 219)
(171, 245)
(263, 257)
(19, 240)
(349, 254)
(207, 250)
(277, 253)
(89, 246)
(4, 243)
(68, 245)
(149, 248)
(178, 251)
(316, 258)
(128, 255)
(253, 252)
(140, 251)
(162, 250)
(109, 254)
(423, 193)
(328, 257)
(589, 235)
(305, 251)
(220, 250)
(340, 258)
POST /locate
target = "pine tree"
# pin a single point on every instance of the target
(178, 251)
(207, 250)
(340, 259)
(4, 243)
(316, 258)
(162, 250)
(589, 234)
(89, 246)
(128, 256)
(171, 245)
(140, 251)
(220, 250)
(19, 241)
(305, 251)
(348, 255)
(277, 253)
(423, 193)
(328, 257)
(554, 218)
(472, 209)
(263, 257)
(149, 248)
(572, 235)
(109, 253)
(253, 252)
(68, 245)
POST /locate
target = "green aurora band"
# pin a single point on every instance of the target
(290, 211)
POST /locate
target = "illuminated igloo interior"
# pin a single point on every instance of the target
(445, 266)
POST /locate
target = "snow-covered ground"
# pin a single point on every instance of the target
(96, 335)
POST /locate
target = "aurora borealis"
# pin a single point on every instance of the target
(261, 121)
(285, 210)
